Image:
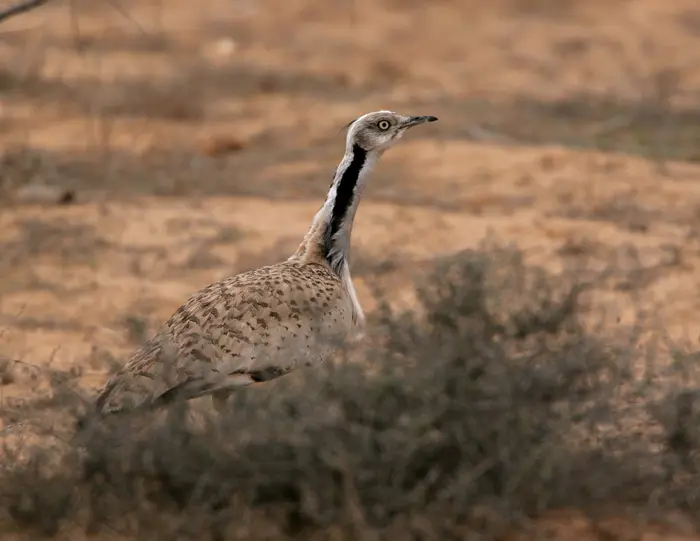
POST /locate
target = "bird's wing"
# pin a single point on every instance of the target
(246, 328)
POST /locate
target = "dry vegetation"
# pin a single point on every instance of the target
(540, 387)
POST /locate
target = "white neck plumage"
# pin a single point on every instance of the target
(336, 217)
(330, 232)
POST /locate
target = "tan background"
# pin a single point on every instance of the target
(199, 139)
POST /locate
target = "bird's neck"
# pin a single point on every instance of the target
(328, 238)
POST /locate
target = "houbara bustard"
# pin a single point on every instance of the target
(263, 323)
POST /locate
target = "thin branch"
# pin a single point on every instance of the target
(124, 13)
(20, 7)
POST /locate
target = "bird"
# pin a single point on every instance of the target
(258, 325)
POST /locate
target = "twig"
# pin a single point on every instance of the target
(124, 13)
(20, 7)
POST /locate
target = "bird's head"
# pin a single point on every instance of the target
(380, 130)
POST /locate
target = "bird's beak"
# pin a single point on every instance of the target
(415, 120)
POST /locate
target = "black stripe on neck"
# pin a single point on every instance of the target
(344, 196)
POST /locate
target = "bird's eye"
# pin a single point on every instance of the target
(383, 125)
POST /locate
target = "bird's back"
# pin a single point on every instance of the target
(256, 325)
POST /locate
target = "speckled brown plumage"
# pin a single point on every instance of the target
(261, 324)
(251, 327)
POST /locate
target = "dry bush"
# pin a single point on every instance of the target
(489, 404)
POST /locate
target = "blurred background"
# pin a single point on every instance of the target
(148, 148)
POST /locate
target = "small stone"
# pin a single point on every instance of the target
(45, 194)
(226, 47)
(219, 145)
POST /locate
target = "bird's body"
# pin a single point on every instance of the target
(245, 329)
(263, 323)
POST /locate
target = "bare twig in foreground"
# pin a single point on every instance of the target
(20, 7)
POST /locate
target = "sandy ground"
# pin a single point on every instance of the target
(198, 139)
